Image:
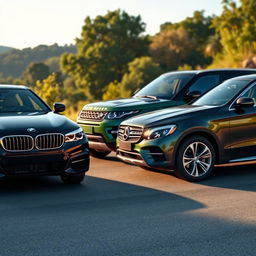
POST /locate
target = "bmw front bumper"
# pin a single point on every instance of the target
(71, 158)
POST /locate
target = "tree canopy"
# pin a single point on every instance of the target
(172, 48)
(113, 56)
(140, 72)
(107, 44)
(34, 72)
(237, 27)
(198, 28)
(49, 89)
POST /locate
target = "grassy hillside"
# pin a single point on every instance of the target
(14, 62)
(4, 49)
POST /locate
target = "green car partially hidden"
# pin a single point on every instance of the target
(100, 120)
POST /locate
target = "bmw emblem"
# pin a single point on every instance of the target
(31, 130)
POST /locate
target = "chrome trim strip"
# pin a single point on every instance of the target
(244, 159)
(236, 163)
(132, 161)
(77, 161)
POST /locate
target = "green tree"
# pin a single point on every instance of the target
(141, 71)
(213, 46)
(199, 29)
(49, 89)
(106, 45)
(172, 48)
(34, 72)
(72, 93)
(237, 28)
(112, 91)
(53, 63)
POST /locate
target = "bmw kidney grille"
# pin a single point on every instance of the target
(20, 143)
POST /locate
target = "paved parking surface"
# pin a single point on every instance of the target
(125, 210)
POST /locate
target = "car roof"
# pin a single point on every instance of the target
(11, 86)
(250, 77)
(196, 72)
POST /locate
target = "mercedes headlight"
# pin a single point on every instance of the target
(159, 132)
(75, 135)
(120, 114)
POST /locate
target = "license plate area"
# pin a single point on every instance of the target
(125, 145)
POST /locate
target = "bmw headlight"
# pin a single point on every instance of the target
(75, 135)
(120, 114)
(159, 132)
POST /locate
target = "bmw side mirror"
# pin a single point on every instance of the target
(192, 96)
(59, 107)
(244, 102)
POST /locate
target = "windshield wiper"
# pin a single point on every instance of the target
(147, 96)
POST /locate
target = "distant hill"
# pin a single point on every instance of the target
(4, 49)
(14, 62)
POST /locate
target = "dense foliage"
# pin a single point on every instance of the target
(114, 57)
(107, 44)
(236, 27)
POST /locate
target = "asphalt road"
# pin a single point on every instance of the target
(125, 210)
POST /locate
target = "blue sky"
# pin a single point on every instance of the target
(28, 23)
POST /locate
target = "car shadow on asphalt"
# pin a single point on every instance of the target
(104, 217)
(240, 177)
(93, 193)
(112, 157)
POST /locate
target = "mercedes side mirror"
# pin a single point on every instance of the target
(244, 102)
(59, 107)
(192, 96)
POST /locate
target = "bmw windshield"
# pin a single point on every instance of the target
(21, 101)
(165, 86)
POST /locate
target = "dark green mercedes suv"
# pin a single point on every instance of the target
(100, 120)
(218, 128)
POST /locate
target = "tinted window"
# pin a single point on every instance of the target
(228, 75)
(20, 100)
(165, 86)
(204, 83)
(223, 93)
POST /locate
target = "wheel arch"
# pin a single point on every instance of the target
(203, 133)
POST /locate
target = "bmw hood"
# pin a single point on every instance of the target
(35, 124)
